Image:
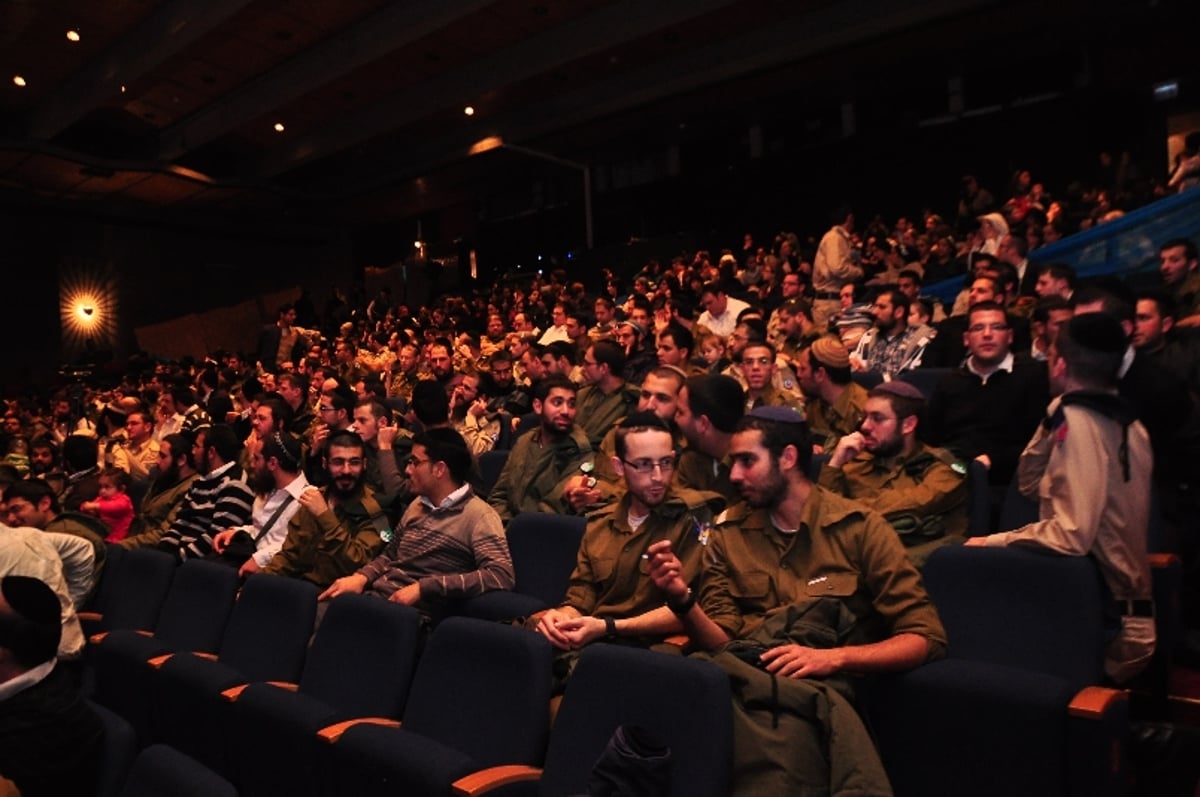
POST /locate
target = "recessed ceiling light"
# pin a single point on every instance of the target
(122, 89)
(73, 35)
(18, 80)
(469, 110)
(279, 127)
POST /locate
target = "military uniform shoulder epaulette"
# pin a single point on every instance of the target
(734, 514)
(923, 461)
(601, 511)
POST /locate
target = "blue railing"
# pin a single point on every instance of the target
(1127, 245)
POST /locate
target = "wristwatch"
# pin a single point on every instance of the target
(610, 627)
(684, 606)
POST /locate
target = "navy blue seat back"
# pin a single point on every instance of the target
(137, 595)
(979, 500)
(1020, 608)
(490, 465)
(362, 658)
(684, 702)
(269, 628)
(483, 689)
(120, 748)
(197, 605)
(162, 771)
(544, 550)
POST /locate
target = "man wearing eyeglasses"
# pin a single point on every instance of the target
(449, 543)
(610, 596)
(988, 408)
(919, 489)
(341, 526)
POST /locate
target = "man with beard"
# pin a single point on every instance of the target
(441, 362)
(495, 337)
(500, 386)
(791, 557)
(162, 502)
(277, 481)
(469, 416)
(920, 490)
(406, 373)
(891, 347)
(219, 499)
(448, 545)
(342, 526)
(43, 458)
(531, 480)
(608, 596)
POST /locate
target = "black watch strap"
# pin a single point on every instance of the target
(684, 606)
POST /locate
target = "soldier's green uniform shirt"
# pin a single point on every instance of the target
(323, 548)
(841, 550)
(531, 480)
(596, 412)
(839, 419)
(611, 579)
(923, 496)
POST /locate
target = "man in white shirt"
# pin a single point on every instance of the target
(277, 479)
(720, 311)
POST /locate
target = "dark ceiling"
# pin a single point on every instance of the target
(169, 106)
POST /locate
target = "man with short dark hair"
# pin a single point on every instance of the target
(608, 596)
(791, 557)
(449, 543)
(706, 411)
(32, 503)
(605, 397)
(341, 526)
(1055, 279)
(987, 408)
(919, 489)
(219, 499)
(1089, 464)
(160, 505)
(720, 310)
(531, 480)
(1179, 264)
(891, 346)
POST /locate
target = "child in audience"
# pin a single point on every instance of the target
(113, 505)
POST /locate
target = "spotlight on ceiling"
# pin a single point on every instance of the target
(19, 81)
(73, 35)
(279, 127)
(469, 110)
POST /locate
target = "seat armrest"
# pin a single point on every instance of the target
(1095, 702)
(332, 733)
(486, 780)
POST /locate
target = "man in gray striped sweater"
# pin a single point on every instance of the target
(219, 499)
(449, 544)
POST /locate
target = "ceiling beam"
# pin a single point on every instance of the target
(160, 36)
(600, 30)
(394, 27)
(785, 41)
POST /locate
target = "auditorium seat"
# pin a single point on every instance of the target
(1016, 706)
(683, 702)
(544, 550)
(134, 598)
(360, 664)
(162, 771)
(266, 639)
(480, 698)
(193, 618)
